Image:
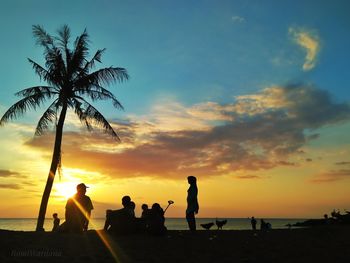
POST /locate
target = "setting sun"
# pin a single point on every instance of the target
(65, 189)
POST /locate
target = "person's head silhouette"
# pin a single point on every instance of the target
(144, 207)
(81, 189)
(191, 180)
(126, 201)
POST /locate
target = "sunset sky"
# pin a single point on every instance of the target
(251, 97)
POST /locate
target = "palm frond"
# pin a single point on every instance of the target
(92, 115)
(56, 65)
(96, 92)
(49, 116)
(108, 75)
(42, 72)
(81, 50)
(91, 64)
(64, 36)
(81, 114)
(103, 76)
(63, 41)
(20, 107)
(42, 37)
(35, 90)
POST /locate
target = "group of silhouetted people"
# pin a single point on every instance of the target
(263, 224)
(123, 221)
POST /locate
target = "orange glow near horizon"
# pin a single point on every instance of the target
(151, 166)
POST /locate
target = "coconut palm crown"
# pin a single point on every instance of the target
(71, 84)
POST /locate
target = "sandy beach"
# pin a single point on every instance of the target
(330, 244)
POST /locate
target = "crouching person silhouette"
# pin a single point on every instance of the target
(78, 211)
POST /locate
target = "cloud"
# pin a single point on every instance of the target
(10, 186)
(254, 132)
(309, 41)
(248, 177)
(8, 173)
(238, 19)
(332, 176)
(342, 163)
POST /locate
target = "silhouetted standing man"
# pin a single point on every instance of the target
(78, 210)
(192, 203)
(253, 222)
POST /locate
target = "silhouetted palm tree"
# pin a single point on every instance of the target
(70, 84)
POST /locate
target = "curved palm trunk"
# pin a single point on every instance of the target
(54, 164)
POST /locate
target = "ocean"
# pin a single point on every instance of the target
(28, 224)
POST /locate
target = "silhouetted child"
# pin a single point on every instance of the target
(145, 211)
(326, 219)
(56, 222)
(253, 223)
(143, 221)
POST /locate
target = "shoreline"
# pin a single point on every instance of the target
(317, 244)
(171, 223)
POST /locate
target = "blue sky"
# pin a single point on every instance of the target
(253, 92)
(193, 51)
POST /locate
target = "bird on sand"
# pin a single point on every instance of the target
(207, 226)
(221, 223)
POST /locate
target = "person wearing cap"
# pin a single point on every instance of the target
(78, 210)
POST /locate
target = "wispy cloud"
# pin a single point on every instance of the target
(309, 41)
(342, 163)
(248, 177)
(332, 176)
(8, 173)
(10, 186)
(238, 19)
(256, 131)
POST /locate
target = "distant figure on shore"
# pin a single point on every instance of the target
(192, 203)
(264, 225)
(56, 222)
(253, 223)
(121, 221)
(78, 211)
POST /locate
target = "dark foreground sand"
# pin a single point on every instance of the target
(330, 244)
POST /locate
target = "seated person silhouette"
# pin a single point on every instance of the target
(56, 222)
(78, 211)
(132, 207)
(143, 222)
(156, 220)
(121, 221)
(264, 225)
(145, 211)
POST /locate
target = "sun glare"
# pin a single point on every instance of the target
(66, 189)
